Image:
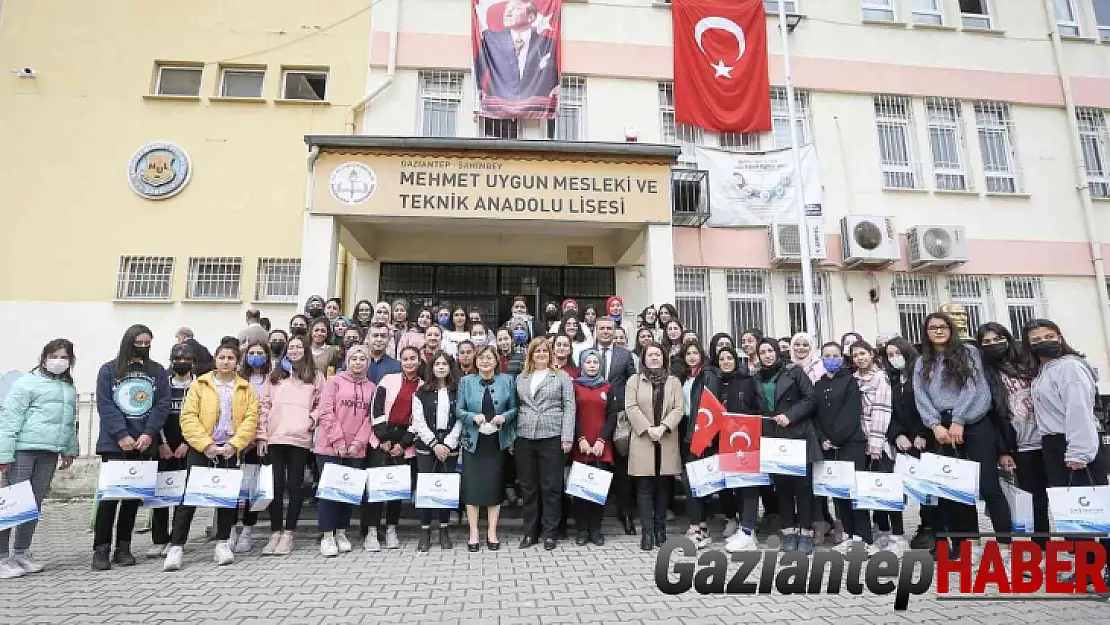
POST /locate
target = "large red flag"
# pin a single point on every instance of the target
(720, 65)
(708, 423)
(740, 441)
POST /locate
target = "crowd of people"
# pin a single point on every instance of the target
(510, 407)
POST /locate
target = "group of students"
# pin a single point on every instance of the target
(516, 404)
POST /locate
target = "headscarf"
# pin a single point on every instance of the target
(657, 377)
(713, 344)
(727, 375)
(308, 304)
(767, 372)
(811, 364)
(357, 348)
(585, 380)
(609, 302)
(383, 306)
(569, 303)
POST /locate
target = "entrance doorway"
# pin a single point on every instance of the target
(491, 288)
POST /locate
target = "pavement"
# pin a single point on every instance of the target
(613, 584)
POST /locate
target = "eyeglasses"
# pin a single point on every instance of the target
(937, 329)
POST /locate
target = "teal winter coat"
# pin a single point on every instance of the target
(39, 414)
(469, 405)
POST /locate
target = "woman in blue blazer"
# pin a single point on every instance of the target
(487, 410)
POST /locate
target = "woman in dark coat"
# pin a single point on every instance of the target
(697, 375)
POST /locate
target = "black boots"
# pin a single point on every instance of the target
(445, 538)
(123, 556)
(646, 543)
(101, 560)
(583, 538)
(596, 538)
(425, 539)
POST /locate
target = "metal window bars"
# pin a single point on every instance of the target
(569, 121)
(901, 167)
(995, 127)
(682, 135)
(441, 94)
(494, 128)
(749, 296)
(915, 298)
(692, 298)
(1025, 300)
(974, 294)
(278, 280)
(780, 117)
(771, 7)
(214, 277)
(144, 278)
(1096, 155)
(944, 122)
(796, 308)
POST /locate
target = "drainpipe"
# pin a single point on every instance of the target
(391, 69)
(1081, 183)
(310, 188)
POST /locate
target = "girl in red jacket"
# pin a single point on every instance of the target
(595, 420)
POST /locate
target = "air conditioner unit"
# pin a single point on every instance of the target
(869, 241)
(943, 247)
(786, 246)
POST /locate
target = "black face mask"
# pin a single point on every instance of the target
(1047, 349)
(299, 331)
(996, 351)
(315, 312)
(140, 352)
(277, 348)
(182, 368)
(347, 344)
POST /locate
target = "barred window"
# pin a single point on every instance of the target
(749, 299)
(278, 280)
(796, 307)
(974, 294)
(996, 142)
(215, 277)
(780, 117)
(1025, 300)
(915, 298)
(946, 142)
(440, 98)
(492, 128)
(683, 135)
(1096, 147)
(897, 143)
(570, 120)
(691, 285)
(144, 278)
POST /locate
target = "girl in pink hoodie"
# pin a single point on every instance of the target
(342, 438)
(290, 398)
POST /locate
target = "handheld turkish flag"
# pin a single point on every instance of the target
(720, 65)
(707, 424)
(740, 442)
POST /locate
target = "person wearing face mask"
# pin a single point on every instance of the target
(278, 339)
(479, 336)
(202, 357)
(443, 317)
(614, 309)
(413, 336)
(255, 367)
(133, 401)
(298, 324)
(314, 307)
(551, 317)
(38, 421)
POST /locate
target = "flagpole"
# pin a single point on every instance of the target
(795, 157)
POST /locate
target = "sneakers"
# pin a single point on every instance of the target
(805, 544)
(223, 555)
(27, 562)
(741, 541)
(789, 542)
(341, 542)
(699, 537)
(157, 551)
(882, 539)
(272, 544)
(173, 559)
(242, 542)
(895, 545)
(328, 548)
(848, 543)
(236, 531)
(10, 570)
(391, 540)
(371, 543)
(285, 544)
(731, 527)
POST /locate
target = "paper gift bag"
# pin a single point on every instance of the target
(250, 478)
(262, 491)
(782, 456)
(169, 491)
(950, 478)
(746, 480)
(705, 477)
(127, 479)
(834, 478)
(589, 482)
(438, 490)
(213, 488)
(17, 505)
(1021, 508)
(341, 483)
(389, 483)
(910, 469)
(878, 491)
(1080, 508)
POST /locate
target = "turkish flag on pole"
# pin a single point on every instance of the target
(708, 423)
(740, 441)
(720, 65)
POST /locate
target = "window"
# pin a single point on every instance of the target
(975, 13)
(570, 120)
(897, 147)
(927, 12)
(878, 10)
(1102, 18)
(946, 143)
(1025, 300)
(144, 277)
(278, 280)
(1095, 139)
(780, 117)
(796, 306)
(440, 98)
(215, 277)
(691, 286)
(492, 128)
(683, 135)
(772, 6)
(974, 294)
(996, 142)
(1066, 19)
(242, 83)
(913, 295)
(749, 296)
(178, 80)
(739, 141)
(305, 85)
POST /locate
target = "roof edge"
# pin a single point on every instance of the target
(597, 148)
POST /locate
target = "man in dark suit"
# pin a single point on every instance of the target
(617, 366)
(518, 63)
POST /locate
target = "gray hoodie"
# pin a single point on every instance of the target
(1064, 403)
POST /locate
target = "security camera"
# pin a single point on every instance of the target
(25, 72)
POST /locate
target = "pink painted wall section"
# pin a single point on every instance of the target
(591, 58)
(748, 248)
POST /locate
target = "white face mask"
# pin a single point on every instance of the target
(56, 366)
(898, 362)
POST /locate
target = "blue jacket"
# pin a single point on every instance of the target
(39, 414)
(378, 369)
(136, 405)
(470, 404)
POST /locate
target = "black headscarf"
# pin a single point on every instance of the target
(769, 372)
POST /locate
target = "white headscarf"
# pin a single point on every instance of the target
(811, 364)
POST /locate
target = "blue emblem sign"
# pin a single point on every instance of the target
(159, 170)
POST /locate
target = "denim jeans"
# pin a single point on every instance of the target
(38, 468)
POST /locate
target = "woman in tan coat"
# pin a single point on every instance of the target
(653, 404)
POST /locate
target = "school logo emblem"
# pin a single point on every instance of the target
(353, 183)
(134, 396)
(159, 170)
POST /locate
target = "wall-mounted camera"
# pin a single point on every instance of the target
(25, 72)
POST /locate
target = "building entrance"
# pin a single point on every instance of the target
(491, 288)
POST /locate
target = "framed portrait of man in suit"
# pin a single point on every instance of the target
(516, 46)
